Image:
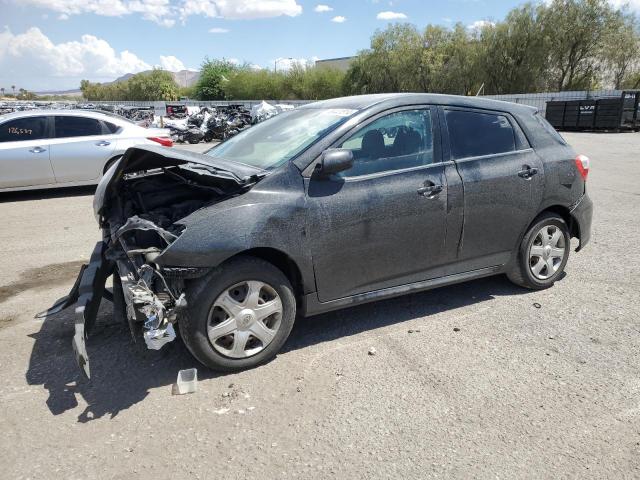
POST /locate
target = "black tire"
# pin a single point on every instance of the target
(201, 296)
(520, 272)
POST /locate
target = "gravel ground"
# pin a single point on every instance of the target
(480, 380)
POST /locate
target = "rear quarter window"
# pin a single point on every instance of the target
(111, 127)
(475, 134)
(27, 128)
(552, 132)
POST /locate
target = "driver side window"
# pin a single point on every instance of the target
(394, 142)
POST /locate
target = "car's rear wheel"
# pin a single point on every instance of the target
(239, 316)
(543, 253)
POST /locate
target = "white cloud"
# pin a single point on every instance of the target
(323, 8)
(339, 19)
(218, 30)
(164, 12)
(288, 63)
(480, 24)
(32, 61)
(158, 11)
(632, 4)
(240, 9)
(171, 63)
(391, 16)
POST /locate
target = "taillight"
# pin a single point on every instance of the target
(582, 163)
(164, 141)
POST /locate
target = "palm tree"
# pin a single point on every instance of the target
(13, 87)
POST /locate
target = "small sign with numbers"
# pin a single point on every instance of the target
(20, 131)
(160, 109)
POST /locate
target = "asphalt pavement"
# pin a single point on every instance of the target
(478, 380)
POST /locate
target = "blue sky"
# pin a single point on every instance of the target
(52, 44)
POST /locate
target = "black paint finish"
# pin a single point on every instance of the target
(358, 239)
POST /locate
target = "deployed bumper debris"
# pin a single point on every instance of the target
(187, 382)
(139, 206)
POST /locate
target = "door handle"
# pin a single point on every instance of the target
(103, 143)
(527, 172)
(38, 150)
(430, 191)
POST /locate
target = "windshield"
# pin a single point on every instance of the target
(279, 139)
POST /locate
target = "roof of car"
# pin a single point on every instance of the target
(361, 102)
(74, 112)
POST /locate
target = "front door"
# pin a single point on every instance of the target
(24, 152)
(80, 148)
(382, 223)
(503, 184)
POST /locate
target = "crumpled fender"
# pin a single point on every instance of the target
(271, 215)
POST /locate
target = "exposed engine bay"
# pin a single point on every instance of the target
(139, 205)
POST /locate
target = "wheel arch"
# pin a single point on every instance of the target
(560, 210)
(282, 262)
(564, 213)
(110, 162)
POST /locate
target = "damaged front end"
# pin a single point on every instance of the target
(139, 205)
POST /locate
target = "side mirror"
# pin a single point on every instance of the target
(334, 160)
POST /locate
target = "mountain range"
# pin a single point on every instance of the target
(184, 78)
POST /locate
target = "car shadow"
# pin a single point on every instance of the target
(123, 372)
(46, 193)
(351, 321)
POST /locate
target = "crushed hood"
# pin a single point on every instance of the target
(143, 158)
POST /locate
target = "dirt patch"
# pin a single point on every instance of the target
(6, 321)
(40, 278)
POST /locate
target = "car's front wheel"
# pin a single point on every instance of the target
(239, 316)
(543, 253)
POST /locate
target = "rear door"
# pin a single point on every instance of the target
(24, 152)
(80, 148)
(503, 183)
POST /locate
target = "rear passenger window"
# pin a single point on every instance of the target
(473, 134)
(67, 126)
(28, 128)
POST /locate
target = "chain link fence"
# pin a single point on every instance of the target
(204, 103)
(539, 100)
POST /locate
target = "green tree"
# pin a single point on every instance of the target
(514, 52)
(154, 85)
(460, 73)
(213, 76)
(146, 86)
(391, 64)
(576, 30)
(622, 49)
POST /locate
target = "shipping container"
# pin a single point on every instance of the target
(616, 113)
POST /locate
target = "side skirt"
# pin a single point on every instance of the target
(311, 305)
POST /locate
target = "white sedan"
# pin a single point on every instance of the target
(63, 148)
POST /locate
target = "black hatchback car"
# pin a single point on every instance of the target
(330, 205)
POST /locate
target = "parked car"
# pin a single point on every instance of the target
(62, 148)
(330, 205)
